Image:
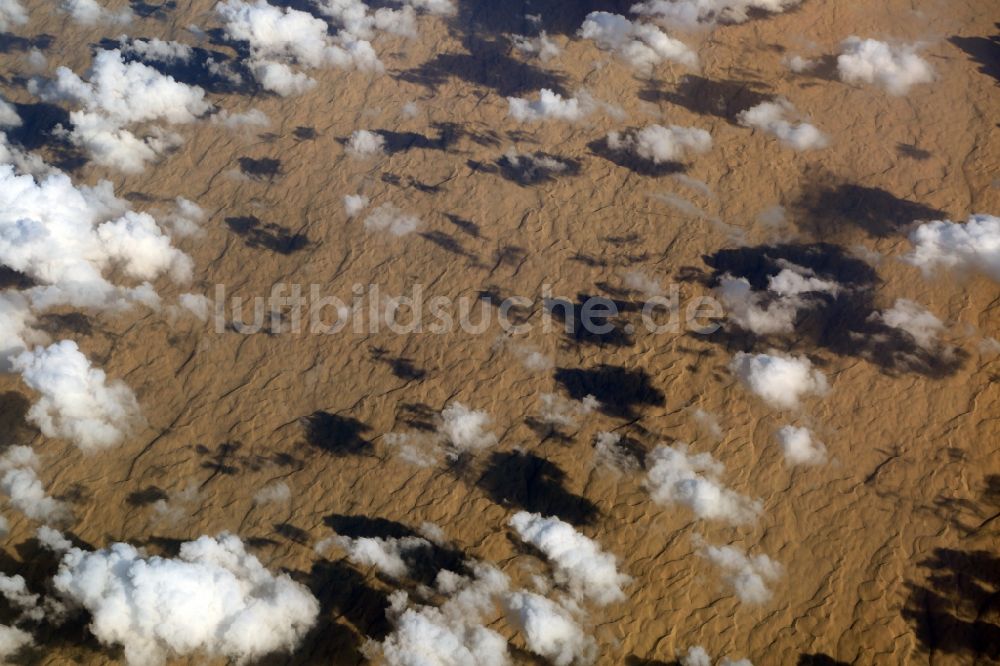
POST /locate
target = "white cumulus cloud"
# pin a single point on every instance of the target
(213, 600)
(772, 117)
(20, 483)
(548, 629)
(894, 67)
(973, 246)
(579, 562)
(690, 13)
(658, 144)
(678, 477)
(550, 106)
(749, 577)
(388, 217)
(642, 45)
(800, 447)
(780, 380)
(365, 143)
(89, 12)
(77, 402)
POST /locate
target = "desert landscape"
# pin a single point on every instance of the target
(447, 332)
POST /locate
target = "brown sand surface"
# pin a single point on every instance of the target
(889, 549)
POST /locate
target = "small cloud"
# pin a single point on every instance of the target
(550, 106)
(466, 430)
(678, 477)
(251, 118)
(692, 13)
(354, 204)
(12, 13)
(799, 446)
(780, 380)
(273, 493)
(89, 12)
(658, 144)
(749, 577)
(364, 143)
(20, 483)
(914, 319)
(973, 246)
(895, 68)
(579, 562)
(388, 217)
(642, 45)
(548, 629)
(772, 117)
(541, 47)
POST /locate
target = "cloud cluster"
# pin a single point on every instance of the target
(658, 144)
(563, 412)
(913, 319)
(453, 634)
(20, 483)
(12, 13)
(15, 590)
(388, 555)
(973, 246)
(364, 143)
(895, 68)
(548, 629)
(749, 577)
(780, 380)
(280, 38)
(676, 476)
(77, 402)
(690, 13)
(799, 446)
(89, 12)
(214, 600)
(117, 94)
(774, 309)
(579, 562)
(388, 217)
(641, 45)
(772, 117)
(550, 106)
(65, 238)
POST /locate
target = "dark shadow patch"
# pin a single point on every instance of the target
(146, 496)
(75, 322)
(401, 366)
(214, 71)
(468, 227)
(957, 610)
(266, 235)
(11, 279)
(264, 168)
(42, 125)
(487, 63)
(844, 323)
(825, 211)
(304, 133)
(343, 592)
(553, 16)
(400, 142)
(536, 168)
(633, 163)
(221, 461)
(635, 660)
(13, 412)
(724, 98)
(337, 435)
(592, 320)
(984, 51)
(534, 484)
(155, 11)
(418, 416)
(11, 43)
(911, 151)
(619, 391)
(972, 517)
(292, 533)
(447, 243)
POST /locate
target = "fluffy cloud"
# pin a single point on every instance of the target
(89, 12)
(541, 47)
(465, 429)
(642, 45)
(354, 204)
(453, 634)
(251, 118)
(579, 562)
(364, 143)
(77, 402)
(689, 13)
(677, 477)
(973, 246)
(913, 319)
(117, 94)
(559, 411)
(214, 599)
(659, 144)
(610, 451)
(749, 577)
(388, 555)
(895, 68)
(185, 219)
(388, 217)
(12, 639)
(772, 117)
(15, 590)
(157, 50)
(799, 446)
(282, 37)
(550, 106)
(12, 13)
(20, 482)
(274, 493)
(698, 656)
(780, 380)
(774, 309)
(8, 115)
(548, 629)
(52, 539)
